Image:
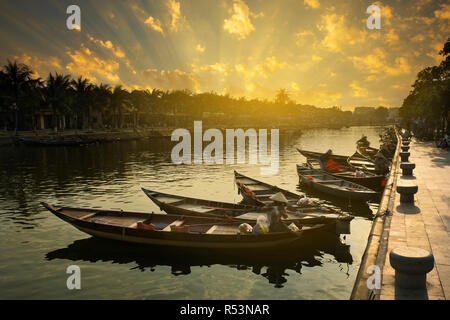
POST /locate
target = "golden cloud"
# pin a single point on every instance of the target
(239, 23)
(154, 24)
(175, 14)
(443, 13)
(86, 64)
(40, 66)
(174, 79)
(270, 65)
(315, 4)
(337, 34)
(358, 91)
(376, 63)
(108, 45)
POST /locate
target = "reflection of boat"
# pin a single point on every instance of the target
(326, 183)
(175, 204)
(369, 179)
(184, 262)
(176, 230)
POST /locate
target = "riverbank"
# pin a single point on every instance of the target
(424, 224)
(8, 139)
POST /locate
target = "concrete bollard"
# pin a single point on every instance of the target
(411, 266)
(405, 148)
(404, 156)
(407, 193)
(407, 168)
(405, 143)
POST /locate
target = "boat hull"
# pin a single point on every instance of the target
(180, 239)
(346, 190)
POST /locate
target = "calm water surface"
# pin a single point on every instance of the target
(37, 247)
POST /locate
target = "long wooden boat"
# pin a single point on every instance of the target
(361, 163)
(257, 193)
(174, 230)
(326, 183)
(341, 160)
(174, 204)
(367, 152)
(356, 160)
(370, 180)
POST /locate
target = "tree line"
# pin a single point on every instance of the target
(77, 100)
(428, 102)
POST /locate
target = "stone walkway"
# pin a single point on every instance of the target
(425, 225)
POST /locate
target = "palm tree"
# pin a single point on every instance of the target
(17, 78)
(83, 98)
(56, 95)
(282, 97)
(101, 100)
(119, 100)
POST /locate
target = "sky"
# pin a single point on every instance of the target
(320, 51)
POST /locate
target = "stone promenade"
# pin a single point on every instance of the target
(426, 224)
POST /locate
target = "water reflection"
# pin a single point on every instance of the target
(270, 264)
(110, 176)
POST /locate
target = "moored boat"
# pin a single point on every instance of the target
(359, 162)
(174, 204)
(329, 184)
(367, 152)
(356, 160)
(175, 230)
(365, 178)
(341, 160)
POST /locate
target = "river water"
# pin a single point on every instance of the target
(37, 247)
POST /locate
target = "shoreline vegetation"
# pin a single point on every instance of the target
(60, 106)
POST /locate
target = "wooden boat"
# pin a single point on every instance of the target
(367, 152)
(361, 163)
(356, 160)
(326, 183)
(174, 204)
(175, 230)
(369, 180)
(258, 193)
(341, 160)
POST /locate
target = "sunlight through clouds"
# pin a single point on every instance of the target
(239, 23)
(155, 24)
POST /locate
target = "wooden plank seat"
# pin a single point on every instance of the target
(176, 223)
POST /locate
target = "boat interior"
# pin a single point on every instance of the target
(158, 222)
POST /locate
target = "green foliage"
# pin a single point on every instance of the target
(429, 98)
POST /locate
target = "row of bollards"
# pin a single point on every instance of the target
(411, 264)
